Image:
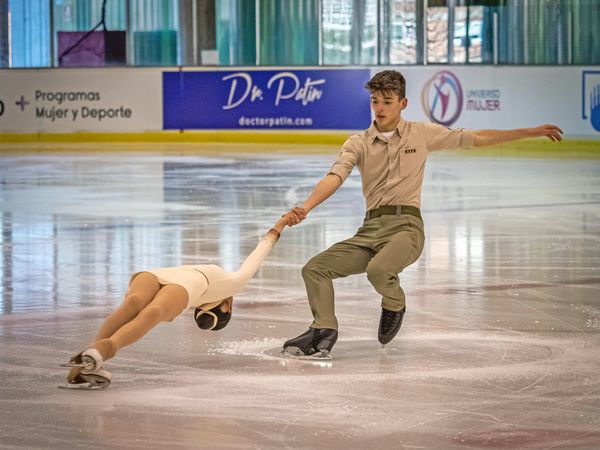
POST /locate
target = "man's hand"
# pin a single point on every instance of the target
(295, 216)
(552, 132)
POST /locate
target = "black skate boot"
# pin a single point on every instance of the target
(314, 343)
(389, 324)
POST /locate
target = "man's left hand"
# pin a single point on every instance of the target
(552, 132)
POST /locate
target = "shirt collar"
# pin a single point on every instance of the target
(373, 133)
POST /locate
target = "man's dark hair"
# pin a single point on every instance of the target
(388, 81)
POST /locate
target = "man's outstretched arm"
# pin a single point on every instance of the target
(323, 190)
(483, 138)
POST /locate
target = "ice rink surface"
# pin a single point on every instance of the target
(500, 347)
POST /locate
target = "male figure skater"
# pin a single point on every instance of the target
(390, 156)
(160, 295)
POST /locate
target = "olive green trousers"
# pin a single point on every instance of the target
(382, 248)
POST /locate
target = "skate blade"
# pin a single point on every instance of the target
(88, 386)
(75, 364)
(296, 353)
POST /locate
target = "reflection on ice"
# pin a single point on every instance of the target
(499, 346)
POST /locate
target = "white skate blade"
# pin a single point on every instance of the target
(83, 365)
(96, 380)
(93, 382)
(84, 386)
(296, 353)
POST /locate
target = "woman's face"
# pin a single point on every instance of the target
(226, 305)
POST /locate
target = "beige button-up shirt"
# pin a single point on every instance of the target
(392, 169)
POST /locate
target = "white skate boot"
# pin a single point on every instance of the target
(87, 380)
(89, 359)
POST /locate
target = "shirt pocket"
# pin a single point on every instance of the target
(411, 160)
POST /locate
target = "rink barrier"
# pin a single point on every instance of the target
(240, 137)
(319, 141)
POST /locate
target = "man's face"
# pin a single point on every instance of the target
(386, 107)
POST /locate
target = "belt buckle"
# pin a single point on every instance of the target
(399, 210)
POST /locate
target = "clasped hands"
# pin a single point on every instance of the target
(295, 215)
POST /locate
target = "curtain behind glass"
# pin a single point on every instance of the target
(549, 32)
(586, 24)
(289, 32)
(154, 30)
(4, 38)
(236, 32)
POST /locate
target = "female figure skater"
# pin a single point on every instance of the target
(160, 295)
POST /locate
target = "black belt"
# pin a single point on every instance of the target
(393, 210)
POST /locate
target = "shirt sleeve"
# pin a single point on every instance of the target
(438, 137)
(346, 161)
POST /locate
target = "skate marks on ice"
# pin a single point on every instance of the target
(457, 355)
(264, 349)
(284, 357)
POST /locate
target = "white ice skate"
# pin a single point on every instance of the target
(89, 360)
(87, 380)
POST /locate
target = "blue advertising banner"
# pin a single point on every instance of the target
(267, 99)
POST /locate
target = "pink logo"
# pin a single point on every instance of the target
(442, 98)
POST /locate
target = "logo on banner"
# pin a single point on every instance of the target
(442, 98)
(288, 87)
(590, 97)
(285, 99)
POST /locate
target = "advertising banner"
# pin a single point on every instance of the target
(266, 99)
(505, 97)
(69, 100)
(155, 99)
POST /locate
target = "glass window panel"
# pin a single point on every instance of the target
(154, 30)
(4, 38)
(349, 32)
(289, 32)
(368, 37)
(473, 23)
(437, 35)
(29, 22)
(74, 19)
(337, 28)
(236, 32)
(475, 32)
(402, 32)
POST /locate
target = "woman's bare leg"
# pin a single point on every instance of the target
(141, 291)
(167, 304)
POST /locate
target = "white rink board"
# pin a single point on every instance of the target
(510, 97)
(84, 100)
(492, 97)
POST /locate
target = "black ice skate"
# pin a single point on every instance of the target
(312, 344)
(389, 324)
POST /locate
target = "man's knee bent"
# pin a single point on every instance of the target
(378, 276)
(315, 268)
